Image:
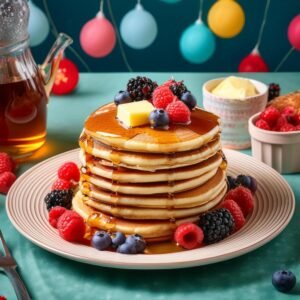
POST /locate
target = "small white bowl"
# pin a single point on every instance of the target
(279, 150)
(235, 113)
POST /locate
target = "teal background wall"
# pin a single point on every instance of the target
(163, 55)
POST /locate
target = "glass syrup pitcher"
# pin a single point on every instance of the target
(24, 86)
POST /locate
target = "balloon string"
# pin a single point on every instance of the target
(101, 5)
(200, 10)
(284, 59)
(261, 31)
(139, 2)
(123, 53)
(55, 33)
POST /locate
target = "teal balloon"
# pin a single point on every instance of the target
(138, 28)
(171, 1)
(38, 26)
(197, 43)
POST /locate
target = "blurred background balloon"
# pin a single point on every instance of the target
(253, 63)
(38, 25)
(197, 43)
(98, 37)
(138, 28)
(226, 18)
(294, 32)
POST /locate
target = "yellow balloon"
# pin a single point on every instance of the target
(226, 18)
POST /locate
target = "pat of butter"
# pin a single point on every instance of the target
(135, 113)
(235, 88)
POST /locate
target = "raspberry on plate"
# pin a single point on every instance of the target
(262, 124)
(55, 214)
(71, 226)
(281, 121)
(270, 115)
(179, 113)
(6, 163)
(6, 181)
(61, 184)
(189, 235)
(162, 96)
(69, 171)
(236, 213)
(288, 111)
(243, 197)
(287, 127)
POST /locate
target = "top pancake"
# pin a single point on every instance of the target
(103, 126)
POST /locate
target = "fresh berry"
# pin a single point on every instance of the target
(6, 181)
(287, 127)
(179, 113)
(189, 100)
(69, 171)
(288, 111)
(283, 280)
(243, 197)
(55, 214)
(6, 163)
(178, 88)
(274, 91)
(281, 121)
(59, 198)
(162, 96)
(270, 115)
(71, 226)
(101, 240)
(137, 242)
(236, 213)
(231, 182)
(159, 119)
(61, 184)
(127, 249)
(118, 238)
(189, 235)
(168, 83)
(244, 180)
(216, 225)
(141, 88)
(122, 97)
(297, 127)
(262, 124)
(3, 298)
(253, 185)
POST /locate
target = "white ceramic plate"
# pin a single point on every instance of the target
(274, 207)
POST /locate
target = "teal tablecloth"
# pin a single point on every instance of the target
(50, 277)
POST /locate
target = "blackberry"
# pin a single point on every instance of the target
(141, 88)
(274, 91)
(216, 225)
(59, 198)
(178, 88)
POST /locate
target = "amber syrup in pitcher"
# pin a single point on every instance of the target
(23, 116)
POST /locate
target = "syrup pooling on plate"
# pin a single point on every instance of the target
(103, 121)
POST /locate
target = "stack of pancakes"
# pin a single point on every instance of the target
(146, 181)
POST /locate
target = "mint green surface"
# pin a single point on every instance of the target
(50, 277)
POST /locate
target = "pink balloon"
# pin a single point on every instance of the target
(98, 37)
(294, 32)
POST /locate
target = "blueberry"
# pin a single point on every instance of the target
(283, 280)
(101, 240)
(253, 185)
(189, 100)
(118, 239)
(127, 249)
(159, 119)
(244, 181)
(137, 241)
(122, 97)
(231, 182)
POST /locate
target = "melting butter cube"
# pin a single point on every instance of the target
(135, 113)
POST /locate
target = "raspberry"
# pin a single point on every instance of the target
(288, 111)
(262, 124)
(71, 226)
(270, 115)
(178, 112)
(6, 163)
(297, 128)
(243, 197)
(162, 96)
(6, 181)
(287, 127)
(281, 121)
(69, 171)
(189, 235)
(168, 83)
(61, 184)
(54, 215)
(236, 213)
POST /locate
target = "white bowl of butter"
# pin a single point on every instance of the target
(235, 100)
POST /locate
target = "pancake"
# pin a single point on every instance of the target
(122, 174)
(104, 127)
(145, 161)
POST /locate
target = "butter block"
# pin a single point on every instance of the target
(135, 113)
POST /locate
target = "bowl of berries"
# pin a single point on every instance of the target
(275, 137)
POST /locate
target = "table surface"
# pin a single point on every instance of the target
(51, 277)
